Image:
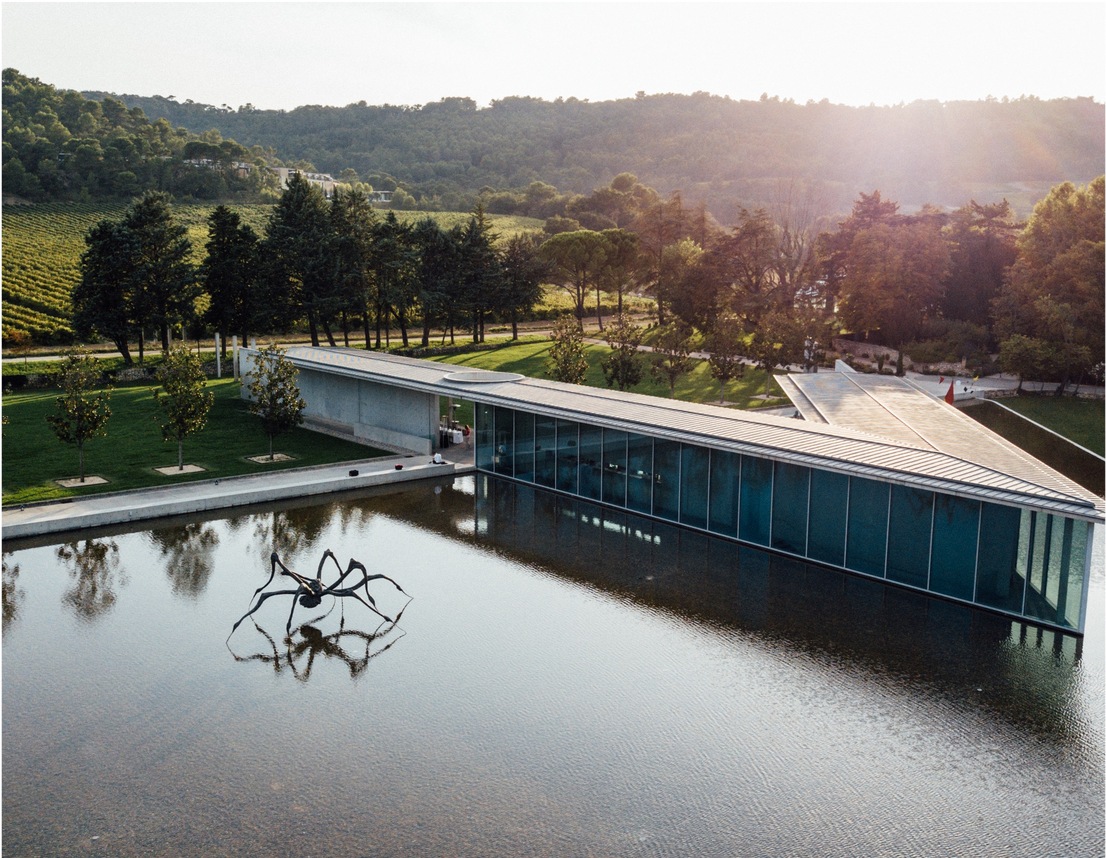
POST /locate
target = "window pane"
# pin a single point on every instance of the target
(1071, 599)
(504, 441)
(639, 465)
(955, 538)
(829, 503)
(545, 451)
(694, 481)
(524, 446)
(1038, 554)
(998, 583)
(789, 507)
(591, 462)
(485, 446)
(866, 545)
(666, 479)
(911, 528)
(756, 499)
(567, 458)
(1056, 559)
(614, 467)
(725, 482)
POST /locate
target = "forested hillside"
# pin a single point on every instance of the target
(725, 153)
(59, 145)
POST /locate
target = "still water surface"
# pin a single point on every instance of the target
(565, 682)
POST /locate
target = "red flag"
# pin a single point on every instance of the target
(950, 397)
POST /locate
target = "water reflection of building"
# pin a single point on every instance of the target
(900, 487)
(965, 656)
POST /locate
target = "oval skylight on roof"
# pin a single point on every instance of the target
(482, 376)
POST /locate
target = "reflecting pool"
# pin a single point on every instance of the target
(566, 681)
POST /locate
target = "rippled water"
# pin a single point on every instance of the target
(565, 682)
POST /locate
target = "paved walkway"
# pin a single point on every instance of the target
(208, 495)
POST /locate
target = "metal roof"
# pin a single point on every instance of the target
(955, 456)
(896, 407)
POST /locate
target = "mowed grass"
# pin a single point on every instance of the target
(1081, 420)
(531, 358)
(33, 458)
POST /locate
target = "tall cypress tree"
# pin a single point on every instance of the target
(229, 274)
(165, 285)
(102, 298)
(297, 265)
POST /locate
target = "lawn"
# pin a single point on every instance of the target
(128, 456)
(33, 459)
(1081, 420)
(531, 357)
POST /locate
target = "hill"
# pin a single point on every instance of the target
(59, 145)
(712, 149)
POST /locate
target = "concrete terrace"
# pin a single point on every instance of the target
(226, 493)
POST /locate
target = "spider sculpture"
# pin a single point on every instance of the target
(309, 592)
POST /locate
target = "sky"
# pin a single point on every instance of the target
(277, 55)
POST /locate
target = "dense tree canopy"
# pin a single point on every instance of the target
(136, 276)
(769, 289)
(230, 274)
(60, 145)
(1054, 291)
(727, 153)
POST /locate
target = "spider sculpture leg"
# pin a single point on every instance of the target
(261, 602)
(352, 592)
(301, 591)
(291, 573)
(322, 560)
(273, 561)
(369, 578)
(353, 564)
(365, 577)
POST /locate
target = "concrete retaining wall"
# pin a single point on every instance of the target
(212, 495)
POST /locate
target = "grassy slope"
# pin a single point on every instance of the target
(1081, 420)
(530, 358)
(132, 449)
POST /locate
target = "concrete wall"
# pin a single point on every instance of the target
(375, 414)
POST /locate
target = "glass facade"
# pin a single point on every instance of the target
(1021, 562)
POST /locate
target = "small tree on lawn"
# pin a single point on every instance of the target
(81, 415)
(672, 354)
(183, 398)
(725, 360)
(622, 367)
(274, 395)
(566, 356)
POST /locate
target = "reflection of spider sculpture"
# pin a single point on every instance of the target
(310, 591)
(338, 645)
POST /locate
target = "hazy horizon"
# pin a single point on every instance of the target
(285, 55)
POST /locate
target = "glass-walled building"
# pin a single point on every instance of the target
(878, 477)
(1023, 562)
